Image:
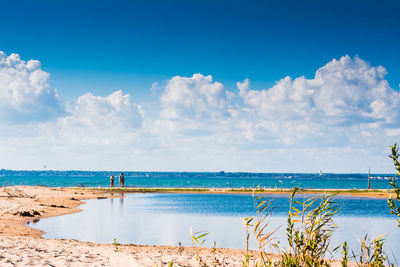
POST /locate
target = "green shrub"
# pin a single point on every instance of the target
(395, 207)
(309, 230)
(371, 253)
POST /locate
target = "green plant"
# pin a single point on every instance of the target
(247, 222)
(115, 245)
(309, 230)
(259, 225)
(371, 253)
(262, 236)
(180, 249)
(198, 239)
(395, 207)
(171, 264)
(215, 260)
(345, 253)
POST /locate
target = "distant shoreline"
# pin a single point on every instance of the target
(221, 173)
(376, 193)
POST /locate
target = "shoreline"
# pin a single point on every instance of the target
(23, 245)
(25, 202)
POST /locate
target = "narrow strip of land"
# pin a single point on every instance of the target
(376, 193)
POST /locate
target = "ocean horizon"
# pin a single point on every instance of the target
(220, 179)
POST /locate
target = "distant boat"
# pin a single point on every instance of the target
(320, 173)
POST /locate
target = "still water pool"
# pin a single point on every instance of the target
(166, 219)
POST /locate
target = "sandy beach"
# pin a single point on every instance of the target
(24, 246)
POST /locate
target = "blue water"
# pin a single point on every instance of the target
(166, 219)
(193, 179)
(243, 204)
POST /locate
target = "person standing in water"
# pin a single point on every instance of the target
(112, 180)
(121, 179)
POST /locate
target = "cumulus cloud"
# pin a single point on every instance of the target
(344, 93)
(25, 92)
(327, 120)
(101, 120)
(114, 111)
(196, 97)
(347, 100)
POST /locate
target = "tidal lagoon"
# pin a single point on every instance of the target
(166, 219)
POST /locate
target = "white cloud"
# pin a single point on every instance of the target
(344, 95)
(25, 92)
(348, 104)
(346, 91)
(344, 117)
(115, 110)
(347, 107)
(101, 120)
(197, 97)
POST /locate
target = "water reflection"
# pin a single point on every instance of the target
(166, 219)
(121, 200)
(33, 221)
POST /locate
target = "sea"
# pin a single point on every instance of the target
(195, 179)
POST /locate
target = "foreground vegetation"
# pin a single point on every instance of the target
(309, 230)
(395, 207)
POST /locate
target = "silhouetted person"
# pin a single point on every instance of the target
(112, 183)
(121, 179)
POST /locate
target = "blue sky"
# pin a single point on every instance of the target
(100, 47)
(120, 43)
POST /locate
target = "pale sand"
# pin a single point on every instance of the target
(30, 251)
(21, 245)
